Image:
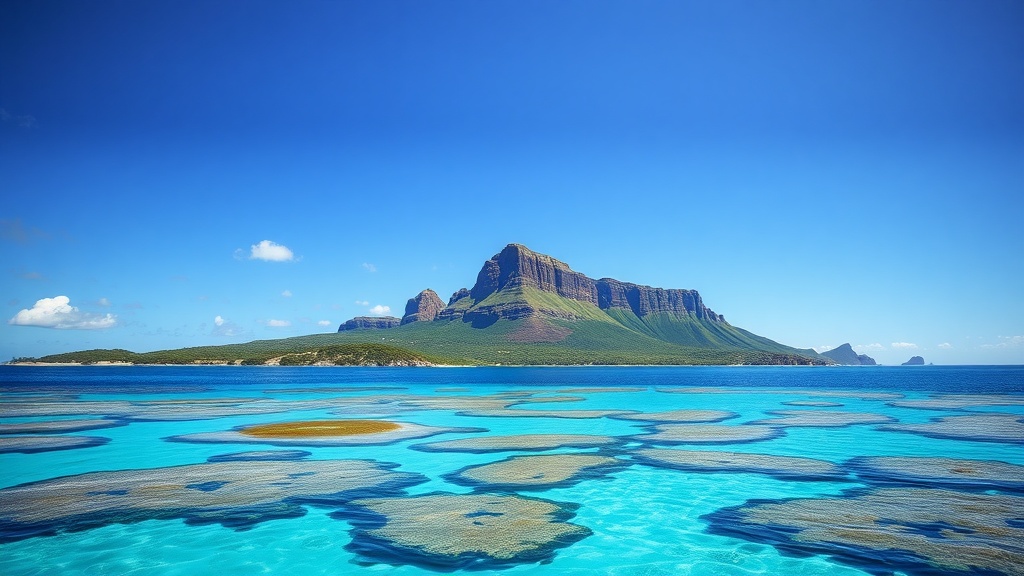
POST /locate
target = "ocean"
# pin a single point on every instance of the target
(532, 470)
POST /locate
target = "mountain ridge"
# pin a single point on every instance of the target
(525, 308)
(548, 299)
(845, 355)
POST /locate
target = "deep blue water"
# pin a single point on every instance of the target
(130, 490)
(938, 379)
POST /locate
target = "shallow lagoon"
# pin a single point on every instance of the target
(473, 487)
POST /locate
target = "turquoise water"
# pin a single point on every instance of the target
(637, 517)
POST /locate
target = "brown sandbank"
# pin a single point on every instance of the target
(319, 428)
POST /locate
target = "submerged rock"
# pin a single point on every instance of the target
(788, 467)
(912, 530)
(679, 416)
(960, 401)
(708, 434)
(822, 418)
(932, 472)
(533, 442)
(234, 494)
(60, 426)
(33, 444)
(449, 532)
(260, 456)
(1008, 428)
(536, 472)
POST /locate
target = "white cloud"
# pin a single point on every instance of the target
(904, 345)
(945, 346)
(278, 323)
(271, 252)
(57, 312)
(362, 302)
(823, 348)
(876, 347)
(1006, 342)
(369, 267)
(103, 302)
(225, 327)
(287, 293)
(379, 310)
(324, 323)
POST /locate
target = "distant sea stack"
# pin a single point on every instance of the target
(914, 361)
(373, 322)
(846, 356)
(423, 307)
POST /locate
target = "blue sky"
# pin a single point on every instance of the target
(822, 172)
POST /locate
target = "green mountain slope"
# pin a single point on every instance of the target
(525, 308)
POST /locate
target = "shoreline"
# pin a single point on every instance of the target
(236, 364)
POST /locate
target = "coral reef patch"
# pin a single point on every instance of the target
(822, 418)
(448, 532)
(960, 401)
(786, 467)
(260, 456)
(536, 472)
(813, 403)
(956, 473)
(523, 442)
(707, 434)
(851, 394)
(234, 494)
(679, 416)
(33, 444)
(60, 426)
(1006, 428)
(911, 530)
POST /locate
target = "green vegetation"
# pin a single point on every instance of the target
(454, 342)
(586, 335)
(359, 355)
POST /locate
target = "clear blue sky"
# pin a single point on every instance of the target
(822, 172)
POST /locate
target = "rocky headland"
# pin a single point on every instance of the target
(373, 322)
(845, 355)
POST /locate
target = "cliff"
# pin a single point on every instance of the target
(423, 307)
(372, 322)
(914, 361)
(543, 311)
(845, 355)
(516, 266)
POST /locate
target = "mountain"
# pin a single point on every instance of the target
(914, 361)
(525, 308)
(424, 307)
(372, 322)
(845, 355)
(523, 297)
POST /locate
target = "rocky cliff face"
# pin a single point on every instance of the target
(372, 322)
(845, 355)
(462, 293)
(423, 307)
(517, 265)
